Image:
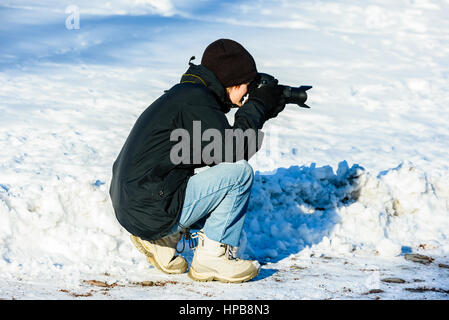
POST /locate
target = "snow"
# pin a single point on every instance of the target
(342, 192)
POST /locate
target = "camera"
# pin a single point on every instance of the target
(294, 95)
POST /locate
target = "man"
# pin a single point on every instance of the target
(157, 199)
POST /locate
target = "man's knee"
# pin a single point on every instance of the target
(248, 172)
(241, 171)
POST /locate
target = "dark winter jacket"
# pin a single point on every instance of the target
(147, 190)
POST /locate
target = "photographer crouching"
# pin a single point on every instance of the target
(158, 200)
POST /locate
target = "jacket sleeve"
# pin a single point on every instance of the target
(214, 140)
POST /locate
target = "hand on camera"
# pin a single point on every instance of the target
(270, 96)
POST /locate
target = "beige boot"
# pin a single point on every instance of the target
(216, 261)
(161, 253)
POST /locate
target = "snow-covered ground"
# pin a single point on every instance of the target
(345, 195)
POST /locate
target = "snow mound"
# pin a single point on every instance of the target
(316, 211)
(67, 225)
(64, 226)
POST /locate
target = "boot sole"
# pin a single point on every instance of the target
(203, 277)
(150, 258)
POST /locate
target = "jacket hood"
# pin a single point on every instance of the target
(201, 75)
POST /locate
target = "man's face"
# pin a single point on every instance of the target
(237, 93)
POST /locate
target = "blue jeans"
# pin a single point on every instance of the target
(216, 201)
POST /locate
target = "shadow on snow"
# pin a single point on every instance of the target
(294, 208)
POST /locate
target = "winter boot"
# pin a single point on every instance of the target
(216, 261)
(161, 253)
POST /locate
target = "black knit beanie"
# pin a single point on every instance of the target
(231, 63)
